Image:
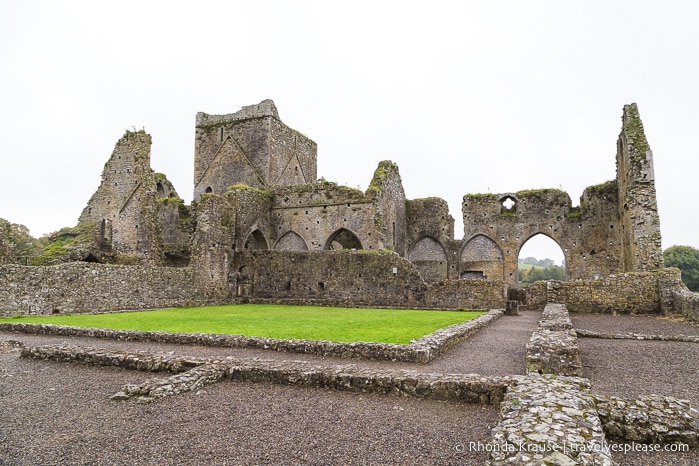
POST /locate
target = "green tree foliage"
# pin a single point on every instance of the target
(22, 244)
(685, 258)
(527, 276)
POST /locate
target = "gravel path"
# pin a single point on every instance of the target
(56, 413)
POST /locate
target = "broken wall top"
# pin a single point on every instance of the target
(266, 108)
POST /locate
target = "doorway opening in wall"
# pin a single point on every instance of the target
(540, 258)
(343, 239)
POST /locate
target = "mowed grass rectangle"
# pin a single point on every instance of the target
(274, 321)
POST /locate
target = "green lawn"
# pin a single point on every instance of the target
(275, 321)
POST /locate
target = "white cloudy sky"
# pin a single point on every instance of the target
(465, 96)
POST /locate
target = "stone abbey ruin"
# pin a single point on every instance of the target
(263, 227)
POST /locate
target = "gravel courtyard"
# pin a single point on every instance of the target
(54, 413)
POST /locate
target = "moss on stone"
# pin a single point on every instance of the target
(479, 196)
(62, 242)
(239, 186)
(539, 192)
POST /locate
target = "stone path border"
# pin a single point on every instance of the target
(637, 336)
(421, 350)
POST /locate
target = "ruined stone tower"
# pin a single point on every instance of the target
(124, 207)
(638, 211)
(251, 147)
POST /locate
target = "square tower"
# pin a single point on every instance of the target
(251, 147)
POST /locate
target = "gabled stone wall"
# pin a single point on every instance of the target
(252, 147)
(125, 207)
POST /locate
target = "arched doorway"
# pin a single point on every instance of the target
(256, 240)
(343, 239)
(540, 258)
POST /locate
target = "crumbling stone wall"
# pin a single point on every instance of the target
(79, 287)
(637, 293)
(386, 191)
(495, 233)
(675, 297)
(354, 278)
(125, 207)
(638, 209)
(615, 228)
(251, 147)
(314, 216)
(429, 231)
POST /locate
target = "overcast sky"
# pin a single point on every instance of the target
(466, 97)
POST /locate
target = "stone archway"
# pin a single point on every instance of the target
(291, 241)
(343, 239)
(481, 258)
(430, 258)
(256, 240)
(540, 257)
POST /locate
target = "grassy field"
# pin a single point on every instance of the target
(275, 321)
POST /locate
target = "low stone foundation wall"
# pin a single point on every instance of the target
(468, 388)
(421, 350)
(553, 347)
(549, 420)
(636, 336)
(650, 419)
(545, 419)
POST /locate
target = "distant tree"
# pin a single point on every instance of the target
(685, 258)
(22, 244)
(529, 261)
(545, 263)
(555, 272)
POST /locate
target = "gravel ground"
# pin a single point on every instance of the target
(61, 414)
(630, 368)
(65, 416)
(56, 413)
